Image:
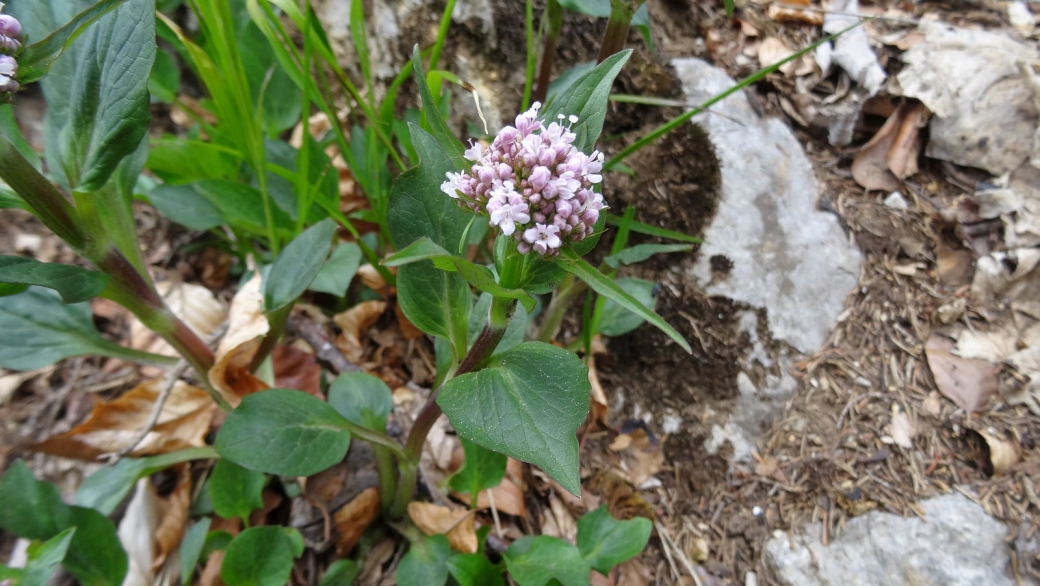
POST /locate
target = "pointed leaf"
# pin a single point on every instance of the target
(191, 548)
(447, 139)
(259, 556)
(74, 284)
(435, 301)
(474, 569)
(606, 542)
(37, 58)
(339, 270)
(599, 283)
(362, 399)
(236, 491)
(341, 573)
(186, 206)
(479, 276)
(34, 510)
(526, 403)
(641, 252)
(106, 488)
(535, 561)
(586, 98)
(45, 557)
(481, 470)
(39, 330)
(618, 321)
(426, 563)
(298, 265)
(286, 432)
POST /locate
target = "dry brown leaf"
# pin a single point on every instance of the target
(321, 488)
(372, 279)
(183, 423)
(194, 304)
(318, 124)
(1003, 454)
(566, 526)
(9, 382)
(136, 533)
(771, 51)
(598, 410)
(181, 117)
(641, 458)
(953, 266)
(173, 514)
(296, 369)
(508, 497)
(456, 525)
(354, 517)
(932, 404)
(968, 383)
(271, 500)
(902, 156)
(355, 322)
(246, 325)
(211, 573)
(901, 430)
(870, 167)
(787, 13)
(408, 329)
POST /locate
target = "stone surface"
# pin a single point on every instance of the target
(787, 256)
(956, 544)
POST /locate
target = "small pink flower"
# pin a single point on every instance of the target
(543, 238)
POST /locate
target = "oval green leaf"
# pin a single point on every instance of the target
(236, 491)
(298, 265)
(74, 284)
(605, 542)
(259, 556)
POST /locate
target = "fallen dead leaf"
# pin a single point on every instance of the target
(1002, 454)
(318, 124)
(296, 369)
(136, 533)
(246, 324)
(789, 13)
(932, 404)
(271, 500)
(906, 148)
(598, 410)
(968, 383)
(771, 51)
(173, 511)
(372, 279)
(408, 329)
(953, 266)
(10, 382)
(558, 521)
(183, 423)
(901, 430)
(456, 525)
(211, 573)
(354, 517)
(870, 167)
(355, 322)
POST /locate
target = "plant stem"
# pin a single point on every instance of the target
(442, 34)
(563, 296)
(532, 57)
(46, 201)
(277, 320)
(621, 12)
(481, 350)
(554, 16)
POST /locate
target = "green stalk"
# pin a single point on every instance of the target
(532, 57)
(442, 34)
(569, 290)
(621, 12)
(680, 119)
(554, 18)
(43, 198)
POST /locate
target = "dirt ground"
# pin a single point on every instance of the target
(827, 457)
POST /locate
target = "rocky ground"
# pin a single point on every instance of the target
(861, 403)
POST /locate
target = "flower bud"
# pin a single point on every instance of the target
(9, 26)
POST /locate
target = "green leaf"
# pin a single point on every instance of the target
(605, 542)
(106, 488)
(599, 283)
(183, 161)
(241, 206)
(286, 432)
(652, 230)
(482, 469)
(191, 548)
(447, 139)
(479, 276)
(186, 206)
(534, 561)
(435, 301)
(236, 491)
(9, 129)
(107, 110)
(298, 265)
(515, 331)
(165, 79)
(45, 557)
(362, 399)
(641, 252)
(216, 541)
(259, 556)
(341, 573)
(526, 403)
(39, 330)
(586, 98)
(338, 271)
(34, 510)
(473, 569)
(567, 79)
(74, 284)
(426, 563)
(418, 207)
(282, 101)
(37, 58)
(618, 321)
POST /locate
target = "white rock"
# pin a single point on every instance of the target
(896, 200)
(957, 544)
(985, 115)
(851, 50)
(787, 257)
(1020, 17)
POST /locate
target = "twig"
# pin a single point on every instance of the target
(172, 377)
(494, 513)
(840, 13)
(324, 349)
(665, 536)
(58, 401)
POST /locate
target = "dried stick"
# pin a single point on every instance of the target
(324, 349)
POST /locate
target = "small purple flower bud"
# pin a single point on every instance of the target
(9, 26)
(505, 172)
(539, 178)
(507, 136)
(485, 174)
(564, 208)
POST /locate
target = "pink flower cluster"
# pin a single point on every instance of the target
(10, 30)
(533, 184)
